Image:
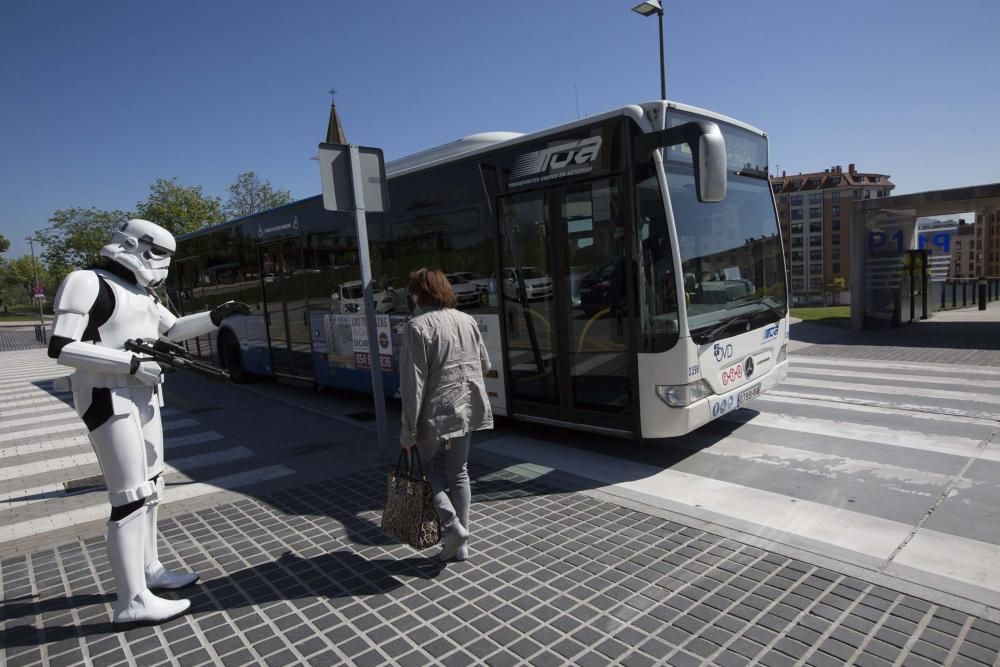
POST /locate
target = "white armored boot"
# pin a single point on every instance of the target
(157, 576)
(136, 605)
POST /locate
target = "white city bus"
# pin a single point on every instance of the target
(628, 266)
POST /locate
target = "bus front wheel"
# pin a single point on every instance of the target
(232, 361)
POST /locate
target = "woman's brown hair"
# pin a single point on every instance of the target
(432, 288)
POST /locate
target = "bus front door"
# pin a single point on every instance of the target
(566, 305)
(285, 309)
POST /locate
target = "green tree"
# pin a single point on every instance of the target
(250, 194)
(75, 237)
(178, 208)
(836, 285)
(17, 278)
(4, 244)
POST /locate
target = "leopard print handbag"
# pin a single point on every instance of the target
(394, 515)
(409, 514)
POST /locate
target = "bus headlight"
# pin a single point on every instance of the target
(679, 395)
(782, 354)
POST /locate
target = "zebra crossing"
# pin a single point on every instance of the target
(43, 445)
(892, 467)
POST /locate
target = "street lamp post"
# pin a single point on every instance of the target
(34, 294)
(648, 8)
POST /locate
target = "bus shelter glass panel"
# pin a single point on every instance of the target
(597, 321)
(525, 284)
(888, 235)
(285, 303)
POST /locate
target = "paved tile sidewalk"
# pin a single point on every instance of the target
(556, 577)
(965, 336)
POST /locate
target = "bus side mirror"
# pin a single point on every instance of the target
(708, 154)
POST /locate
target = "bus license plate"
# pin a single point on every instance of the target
(748, 395)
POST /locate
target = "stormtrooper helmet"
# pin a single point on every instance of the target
(144, 248)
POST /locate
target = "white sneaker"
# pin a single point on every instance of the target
(454, 540)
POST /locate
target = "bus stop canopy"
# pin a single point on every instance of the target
(884, 238)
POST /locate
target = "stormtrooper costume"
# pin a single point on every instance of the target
(119, 398)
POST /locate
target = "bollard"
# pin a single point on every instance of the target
(954, 294)
(982, 294)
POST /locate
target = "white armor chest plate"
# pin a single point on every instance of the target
(136, 315)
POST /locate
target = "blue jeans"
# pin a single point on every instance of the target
(447, 465)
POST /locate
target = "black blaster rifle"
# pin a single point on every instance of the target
(172, 356)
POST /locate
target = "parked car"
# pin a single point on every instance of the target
(467, 294)
(481, 282)
(601, 289)
(537, 285)
(349, 298)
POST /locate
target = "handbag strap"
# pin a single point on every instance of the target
(416, 465)
(403, 464)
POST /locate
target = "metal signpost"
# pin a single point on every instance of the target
(354, 181)
(38, 292)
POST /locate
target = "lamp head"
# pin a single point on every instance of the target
(649, 7)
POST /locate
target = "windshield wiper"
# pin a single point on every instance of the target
(705, 338)
(763, 302)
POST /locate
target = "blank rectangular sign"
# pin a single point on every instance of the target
(336, 176)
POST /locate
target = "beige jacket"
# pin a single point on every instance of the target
(441, 371)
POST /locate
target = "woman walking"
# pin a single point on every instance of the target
(442, 365)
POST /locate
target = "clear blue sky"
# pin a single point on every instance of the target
(101, 98)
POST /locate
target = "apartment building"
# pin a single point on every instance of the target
(815, 212)
(966, 251)
(989, 258)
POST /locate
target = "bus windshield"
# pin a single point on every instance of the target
(731, 254)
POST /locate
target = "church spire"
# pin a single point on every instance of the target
(334, 130)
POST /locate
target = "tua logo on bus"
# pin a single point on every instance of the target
(560, 156)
